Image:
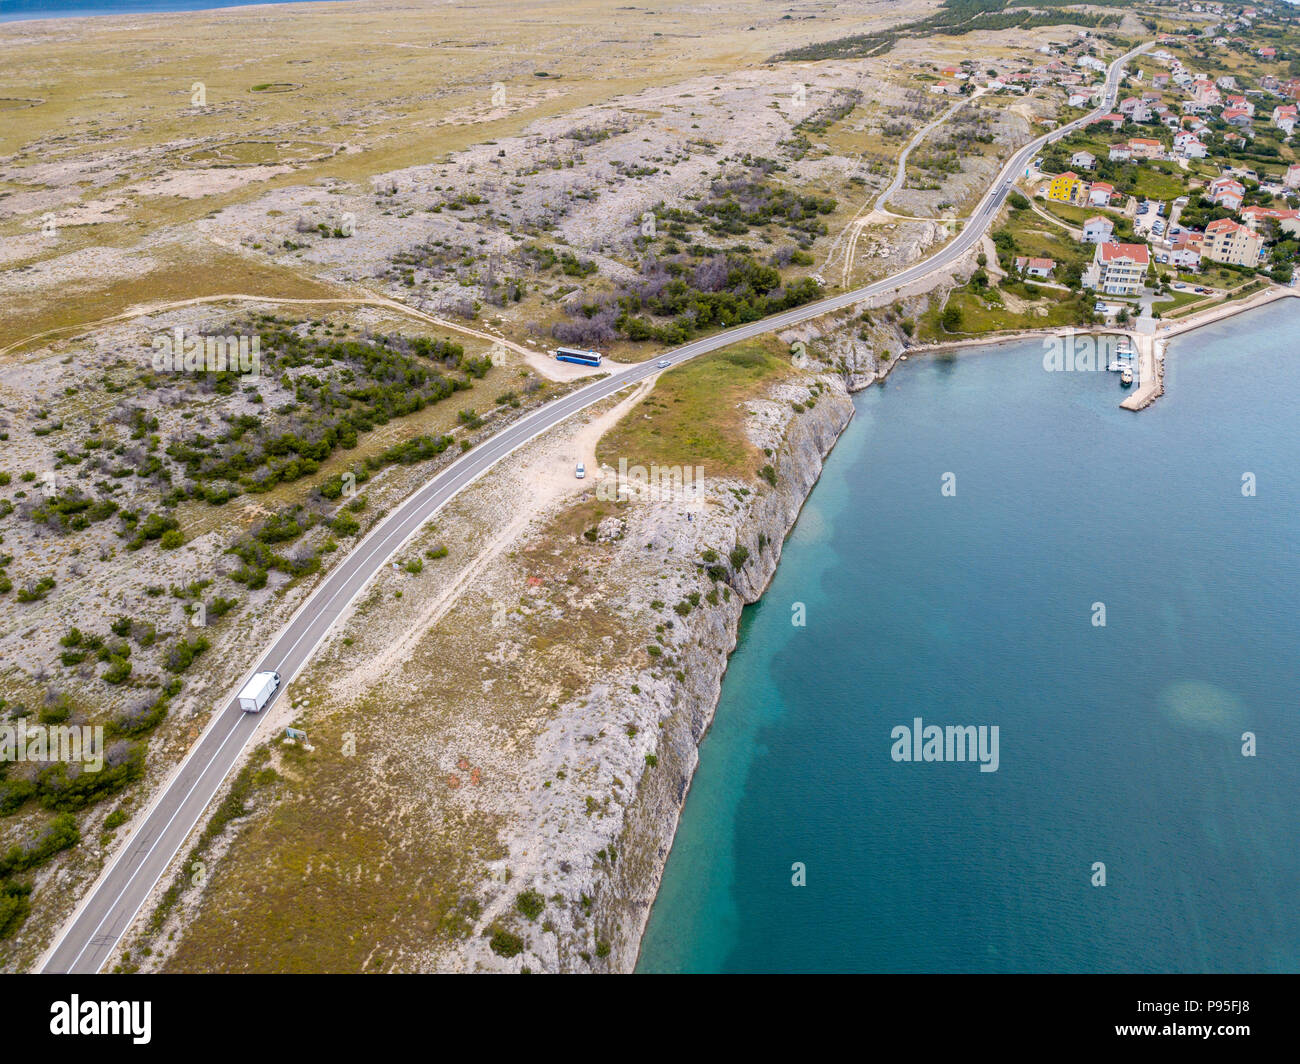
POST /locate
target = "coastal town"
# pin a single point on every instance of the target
(1184, 196)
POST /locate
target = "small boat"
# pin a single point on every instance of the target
(1126, 377)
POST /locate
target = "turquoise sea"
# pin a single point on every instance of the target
(1119, 744)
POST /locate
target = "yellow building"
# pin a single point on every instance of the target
(1066, 188)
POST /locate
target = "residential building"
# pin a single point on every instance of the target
(1145, 148)
(1227, 192)
(1120, 152)
(1100, 193)
(1204, 92)
(1185, 253)
(1066, 188)
(1287, 220)
(1292, 179)
(1188, 145)
(1035, 267)
(1118, 269)
(1098, 230)
(1285, 117)
(1083, 160)
(1227, 241)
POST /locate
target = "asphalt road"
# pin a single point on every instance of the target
(104, 915)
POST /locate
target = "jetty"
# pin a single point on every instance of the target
(1151, 370)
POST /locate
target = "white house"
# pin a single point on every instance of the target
(1099, 194)
(1083, 160)
(1188, 145)
(1035, 267)
(1225, 192)
(1098, 230)
(1186, 252)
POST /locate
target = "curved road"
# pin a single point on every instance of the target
(103, 916)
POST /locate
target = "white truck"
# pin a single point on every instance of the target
(258, 691)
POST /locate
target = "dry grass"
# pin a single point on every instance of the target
(694, 417)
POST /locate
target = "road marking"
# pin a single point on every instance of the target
(179, 806)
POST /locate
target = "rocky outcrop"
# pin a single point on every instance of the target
(702, 645)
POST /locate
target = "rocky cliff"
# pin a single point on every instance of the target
(701, 645)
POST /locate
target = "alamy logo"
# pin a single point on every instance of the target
(680, 484)
(1072, 352)
(956, 742)
(102, 1017)
(175, 352)
(40, 744)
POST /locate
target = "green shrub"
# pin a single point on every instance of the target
(504, 944)
(530, 903)
(182, 655)
(14, 906)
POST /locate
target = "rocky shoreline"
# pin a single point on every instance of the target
(650, 820)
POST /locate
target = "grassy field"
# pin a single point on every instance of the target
(693, 416)
(1038, 238)
(1180, 300)
(319, 880)
(988, 312)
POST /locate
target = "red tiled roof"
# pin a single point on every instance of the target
(1137, 253)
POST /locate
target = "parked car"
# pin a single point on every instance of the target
(581, 471)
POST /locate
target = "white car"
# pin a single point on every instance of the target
(663, 363)
(581, 471)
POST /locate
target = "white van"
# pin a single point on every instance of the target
(258, 691)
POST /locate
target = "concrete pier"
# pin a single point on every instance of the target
(1151, 371)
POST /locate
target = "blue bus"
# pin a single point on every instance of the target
(582, 358)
